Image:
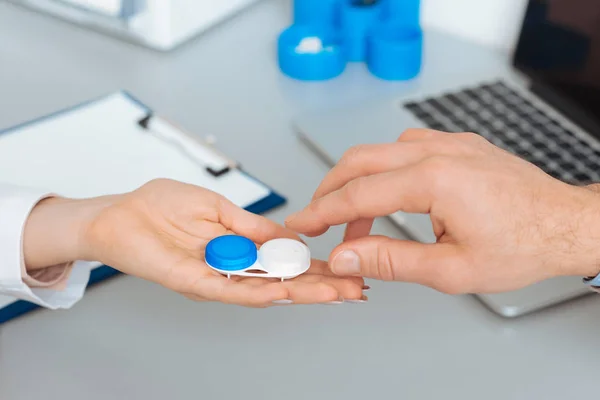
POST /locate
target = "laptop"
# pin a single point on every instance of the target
(543, 105)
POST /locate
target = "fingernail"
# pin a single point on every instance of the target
(366, 287)
(284, 301)
(364, 299)
(346, 263)
(339, 301)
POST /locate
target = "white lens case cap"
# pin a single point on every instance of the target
(277, 258)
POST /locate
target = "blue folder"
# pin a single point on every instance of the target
(102, 273)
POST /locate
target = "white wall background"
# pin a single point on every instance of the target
(491, 22)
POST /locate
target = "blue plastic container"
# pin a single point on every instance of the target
(317, 12)
(395, 52)
(404, 12)
(356, 19)
(299, 63)
(327, 34)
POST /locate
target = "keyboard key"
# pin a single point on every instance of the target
(525, 153)
(454, 99)
(554, 156)
(430, 120)
(564, 142)
(422, 114)
(511, 134)
(555, 174)
(510, 125)
(412, 106)
(470, 93)
(460, 123)
(536, 125)
(472, 106)
(581, 142)
(542, 149)
(566, 177)
(438, 127)
(569, 167)
(591, 162)
(579, 156)
(514, 100)
(439, 106)
(583, 178)
(486, 97)
(539, 117)
(454, 129)
(501, 87)
(510, 144)
(498, 125)
(498, 109)
(551, 136)
(555, 123)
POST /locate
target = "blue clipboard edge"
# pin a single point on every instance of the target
(102, 273)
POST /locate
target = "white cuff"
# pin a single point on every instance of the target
(66, 298)
(16, 204)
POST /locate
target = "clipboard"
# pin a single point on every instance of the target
(106, 146)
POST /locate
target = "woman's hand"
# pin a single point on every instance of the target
(159, 233)
(501, 223)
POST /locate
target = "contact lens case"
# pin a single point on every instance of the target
(233, 255)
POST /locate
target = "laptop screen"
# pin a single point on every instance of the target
(559, 49)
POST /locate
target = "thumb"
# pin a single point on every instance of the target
(440, 266)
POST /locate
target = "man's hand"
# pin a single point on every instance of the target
(159, 233)
(501, 223)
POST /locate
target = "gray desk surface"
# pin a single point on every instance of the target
(129, 339)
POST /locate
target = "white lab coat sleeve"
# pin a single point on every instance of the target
(16, 204)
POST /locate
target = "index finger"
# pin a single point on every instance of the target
(372, 159)
(406, 189)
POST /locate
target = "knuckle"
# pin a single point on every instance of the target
(352, 155)
(468, 136)
(412, 134)
(472, 140)
(408, 133)
(386, 265)
(352, 192)
(438, 164)
(316, 207)
(156, 182)
(219, 205)
(437, 170)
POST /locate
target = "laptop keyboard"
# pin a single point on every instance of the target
(514, 123)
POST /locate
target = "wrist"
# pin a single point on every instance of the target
(585, 258)
(55, 230)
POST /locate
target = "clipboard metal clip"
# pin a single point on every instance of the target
(201, 151)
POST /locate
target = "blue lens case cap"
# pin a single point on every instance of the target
(231, 253)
